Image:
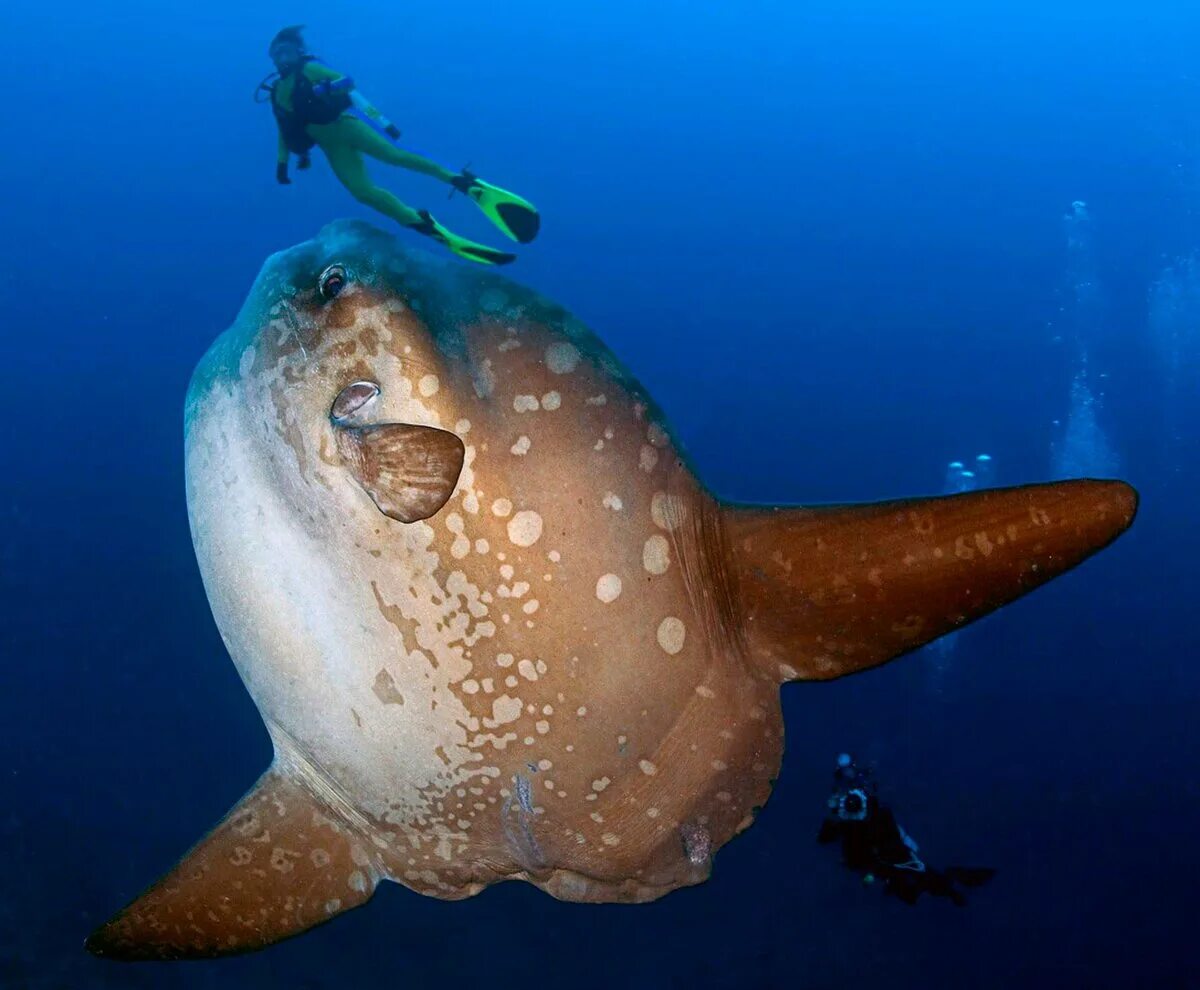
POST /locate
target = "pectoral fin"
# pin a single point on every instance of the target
(830, 591)
(280, 863)
(409, 471)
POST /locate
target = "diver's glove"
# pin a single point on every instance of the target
(281, 175)
(304, 162)
(392, 131)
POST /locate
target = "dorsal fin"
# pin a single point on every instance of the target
(830, 591)
(280, 862)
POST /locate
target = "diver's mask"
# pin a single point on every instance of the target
(286, 55)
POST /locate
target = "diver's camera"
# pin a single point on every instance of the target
(853, 805)
(331, 282)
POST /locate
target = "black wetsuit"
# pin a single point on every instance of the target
(874, 845)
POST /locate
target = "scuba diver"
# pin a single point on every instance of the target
(876, 845)
(315, 105)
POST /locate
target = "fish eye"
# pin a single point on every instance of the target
(331, 282)
(351, 399)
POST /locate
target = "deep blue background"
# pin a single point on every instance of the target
(831, 244)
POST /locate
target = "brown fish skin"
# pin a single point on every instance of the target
(568, 673)
(834, 590)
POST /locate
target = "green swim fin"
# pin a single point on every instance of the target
(516, 217)
(464, 248)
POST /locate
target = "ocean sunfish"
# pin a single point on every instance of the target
(495, 625)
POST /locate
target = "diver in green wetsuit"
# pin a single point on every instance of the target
(315, 105)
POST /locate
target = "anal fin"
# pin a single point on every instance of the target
(279, 863)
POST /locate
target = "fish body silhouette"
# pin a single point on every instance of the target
(496, 627)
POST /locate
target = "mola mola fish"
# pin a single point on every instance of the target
(496, 627)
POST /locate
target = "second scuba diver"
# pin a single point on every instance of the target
(875, 845)
(315, 105)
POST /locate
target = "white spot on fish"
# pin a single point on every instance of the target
(656, 435)
(525, 528)
(551, 401)
(428, 385)
(671, 633)
(613, 502)
(562, 357)
(608, 588)
(485, 379)
(648, 768)
(504, 710)
(656, 554)
(525, 403)
(461, 546)
(521, 447)
(246, 363)
(502, 507)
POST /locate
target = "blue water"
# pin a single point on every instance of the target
(831, 242)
